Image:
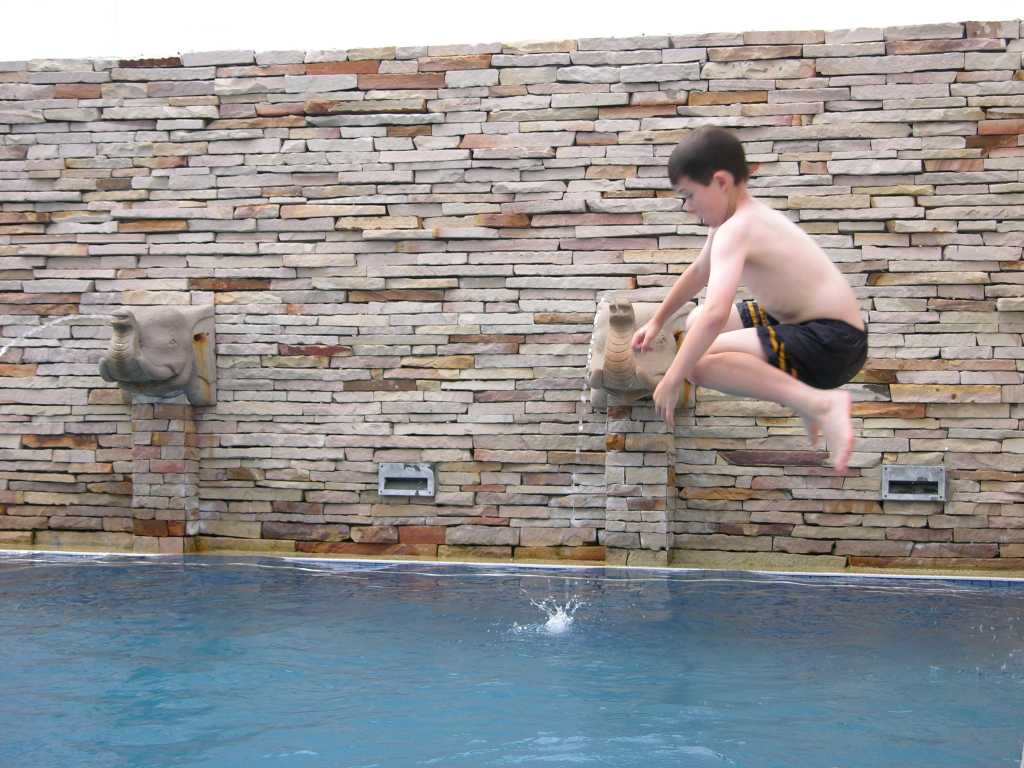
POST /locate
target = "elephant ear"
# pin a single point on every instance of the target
(197, 314)
(105, 371)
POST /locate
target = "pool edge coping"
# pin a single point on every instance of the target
(985, 577)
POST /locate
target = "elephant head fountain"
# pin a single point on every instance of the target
(615, 368)
(163, 352)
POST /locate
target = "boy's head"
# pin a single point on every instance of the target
(708, 167)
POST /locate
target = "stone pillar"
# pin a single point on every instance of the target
(640, 483)
(165, 475)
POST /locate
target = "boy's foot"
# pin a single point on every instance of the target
(813, 430)
(834, 418)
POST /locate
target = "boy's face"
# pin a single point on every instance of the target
(710, 203)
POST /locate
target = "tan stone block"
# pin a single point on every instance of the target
(449, 552)
(453, 361)
(327, 210)
(937, 393)
(229, 528)
(802, 546)
(15, 538)
(228, 544)
(716, 98)
(75, 540)
(593, 554)
(875, 548)
(751, 52)
(374, 534)
(556, 537)
(780, 69)
(481, 535)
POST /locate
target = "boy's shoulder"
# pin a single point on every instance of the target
(750, 225)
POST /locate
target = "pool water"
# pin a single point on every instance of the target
(204, 661)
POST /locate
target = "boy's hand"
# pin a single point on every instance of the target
(666, 397)
(645, 335)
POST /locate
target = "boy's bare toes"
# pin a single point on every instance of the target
(839, 430)
(813, 431)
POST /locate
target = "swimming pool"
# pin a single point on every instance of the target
(204, 661)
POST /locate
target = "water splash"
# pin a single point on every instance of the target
(560, 617)
(43, 327)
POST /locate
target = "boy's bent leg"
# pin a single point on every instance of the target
(748, 341)
(748, 375)
(734, 323)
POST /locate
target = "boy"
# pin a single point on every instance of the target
(802, 337)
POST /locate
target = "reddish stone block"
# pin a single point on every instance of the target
(754, 529)
(343, 107)
(38, 298)
(305, 531)
(635, 113)
(114, 489)
(402, 294)
(993, 141)
(399, 82)
(720, 98)
(296, 508)
(228, 284)
(446, 63)
(759, 458)
(360, 67)
(280, 109)
(40, 310)
(955, 164)
(58, 441)
(421, 534)
(168, 61)
(501, 220)
(161, 466)
(986, 127)
(152, 225)
(17, 371)
(409, 130)
(615, 442)
(149, 527)
(561, 318)
(77, 91)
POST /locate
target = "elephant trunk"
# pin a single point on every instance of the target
(124, 361)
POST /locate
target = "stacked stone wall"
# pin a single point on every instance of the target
(406, 247)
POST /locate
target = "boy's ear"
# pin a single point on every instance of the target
(724, 179)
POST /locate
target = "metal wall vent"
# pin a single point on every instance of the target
(405, 480)
(903, 482)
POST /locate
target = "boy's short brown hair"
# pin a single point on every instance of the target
(705, 151)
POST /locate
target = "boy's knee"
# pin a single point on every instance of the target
(700, 370)
(692, 317)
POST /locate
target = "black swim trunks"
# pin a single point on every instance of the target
(823, 353)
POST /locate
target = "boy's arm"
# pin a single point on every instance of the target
(723, 280)
(688, 285)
